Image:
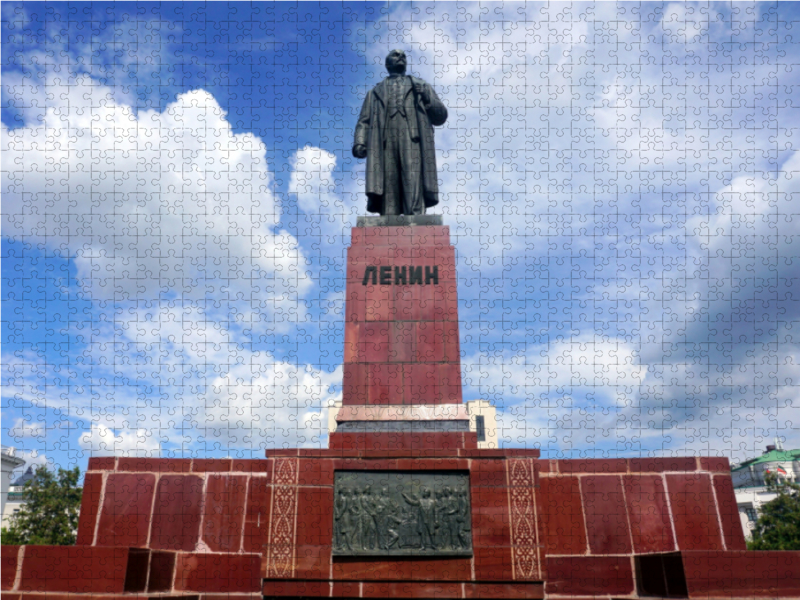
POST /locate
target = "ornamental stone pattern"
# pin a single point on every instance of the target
(280, 555)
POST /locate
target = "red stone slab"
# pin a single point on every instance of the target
(413, 236)
(316, 472)
(593, 465)
(488, 473)
(427, 300)
(385, 382)
(437, 341)
(102, 463)
(429, 343)
(314, 516)
(421, 383)
(301, 589)
(252, 465)
(352, 333)
(649, 513)
(359, 464)
(560, 505)
(312, 562)
(230, 573)
(378, 302)
(403, 341)
(90, 504)
(154, 465)
(407, 302)
(162, 571)
(256, 524)
(530, 453)
(271, 453)
(355, 384)
(694, 512)
(374, 341)
(74, 569)
(437, 453)
(661, 465)
(127, 506)
(370, 442)
(605, 575)
(606, 515)
(136, 570)
(490, 519)
(729, 513)
(716, 464)
(443, 569)
(431, 463)
(411, 589)
(176, 513)
(445, 304)
(8, 567)
(492, 563)
(506, 591)
(764, 574)
(212, 465)
(355, 304)
(450, 383)
(223, 512)
(346, 589)
(470, 440)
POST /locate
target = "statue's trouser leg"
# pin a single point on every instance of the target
(392, 194)
(411, 170)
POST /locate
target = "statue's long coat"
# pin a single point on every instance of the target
(370, 131)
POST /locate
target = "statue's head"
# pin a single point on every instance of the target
(396, 62)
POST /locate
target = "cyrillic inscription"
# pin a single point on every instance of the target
(401, 275)
(402, 513)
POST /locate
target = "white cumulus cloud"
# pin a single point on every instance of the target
(102, 441)
(152, 205)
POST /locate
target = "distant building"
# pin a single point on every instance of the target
(10, 461)
(483, 420)
(15, 499)
(749, 481)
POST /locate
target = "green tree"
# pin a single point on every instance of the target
(50, 513)
(778, 525)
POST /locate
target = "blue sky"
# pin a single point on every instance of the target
(620, 181)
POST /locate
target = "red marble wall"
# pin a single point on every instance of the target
(567, 527)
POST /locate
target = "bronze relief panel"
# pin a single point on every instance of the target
(397, 513)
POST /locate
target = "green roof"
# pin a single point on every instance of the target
(771, 456)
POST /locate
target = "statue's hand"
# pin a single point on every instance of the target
(360, 151)
(422, 93)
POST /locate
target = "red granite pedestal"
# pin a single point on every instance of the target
(401, 344)
(578, 529)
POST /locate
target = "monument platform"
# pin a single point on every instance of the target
(403, 504)
(627, 528)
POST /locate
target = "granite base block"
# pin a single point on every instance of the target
(398, 220)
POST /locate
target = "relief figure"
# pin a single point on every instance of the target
(426, 516)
